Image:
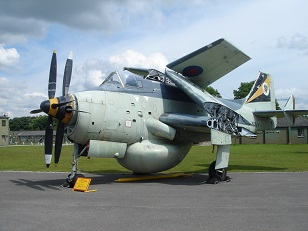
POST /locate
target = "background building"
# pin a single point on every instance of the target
(283, 134)
(4, 130)
(31, 137)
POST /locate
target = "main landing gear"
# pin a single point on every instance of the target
(217, 175)
(218, 169)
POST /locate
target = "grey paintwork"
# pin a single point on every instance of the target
(149, 120)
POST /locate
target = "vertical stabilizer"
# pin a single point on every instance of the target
(262, 94)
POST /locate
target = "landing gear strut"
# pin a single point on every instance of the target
(217, 175)
(72, 177)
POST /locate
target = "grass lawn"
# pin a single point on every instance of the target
(243, 158)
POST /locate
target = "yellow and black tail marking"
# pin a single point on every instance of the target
(261, 89)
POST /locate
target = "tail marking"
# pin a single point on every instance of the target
(261, 89)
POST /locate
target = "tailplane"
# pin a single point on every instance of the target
(262, 94)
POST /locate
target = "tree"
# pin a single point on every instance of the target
(213, 92)
(38, 123)
(243, 90)
(20, 124)
(30, 123)
(277, 105)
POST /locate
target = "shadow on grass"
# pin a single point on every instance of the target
(243, 168)
(300, 152)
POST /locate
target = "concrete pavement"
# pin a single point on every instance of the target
(251, 201)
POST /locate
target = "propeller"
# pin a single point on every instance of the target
(65, 86)
(56, 107)
(51, 94)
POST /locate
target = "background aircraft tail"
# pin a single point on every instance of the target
(262, 94)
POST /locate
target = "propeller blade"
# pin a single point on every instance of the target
(59, 140)
(52, 76)
(67, 73)
(48, 141)
(35, 111)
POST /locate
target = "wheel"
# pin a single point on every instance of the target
(219, 174)
(73, 181)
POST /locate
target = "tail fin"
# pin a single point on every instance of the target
(262, 94)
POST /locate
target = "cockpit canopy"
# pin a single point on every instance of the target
(134, 78)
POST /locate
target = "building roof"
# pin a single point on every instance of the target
(299, 122)
(31, 133)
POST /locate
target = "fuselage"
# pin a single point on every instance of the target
(149, 125)
(118, 113)
(121, 116)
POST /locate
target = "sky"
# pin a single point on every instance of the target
(108, 35)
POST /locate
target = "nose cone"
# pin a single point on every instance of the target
(61, 108)
(45, 106)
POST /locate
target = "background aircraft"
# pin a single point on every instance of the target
(149, 120)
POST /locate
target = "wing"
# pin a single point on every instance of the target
(221, 117)
(210, 63)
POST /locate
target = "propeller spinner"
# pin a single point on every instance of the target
(60, 108)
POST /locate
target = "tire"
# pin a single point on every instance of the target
(219, 174)
(73, 181)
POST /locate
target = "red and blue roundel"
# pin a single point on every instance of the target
(192, 71)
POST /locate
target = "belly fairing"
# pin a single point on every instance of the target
(151, 156)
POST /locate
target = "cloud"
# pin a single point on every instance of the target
(8, 57)
(301, 96)
(16, 100)
(18, 29)
(6, 88)
(32, 18)
(296, 42)
(94, 71)
(133, 31)
(35, 95)
(131, 58)
(7, 93)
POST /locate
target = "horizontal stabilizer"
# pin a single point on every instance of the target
(280, 113)
(288, 111)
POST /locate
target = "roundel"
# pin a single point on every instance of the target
(192, 71)
(265, 89)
